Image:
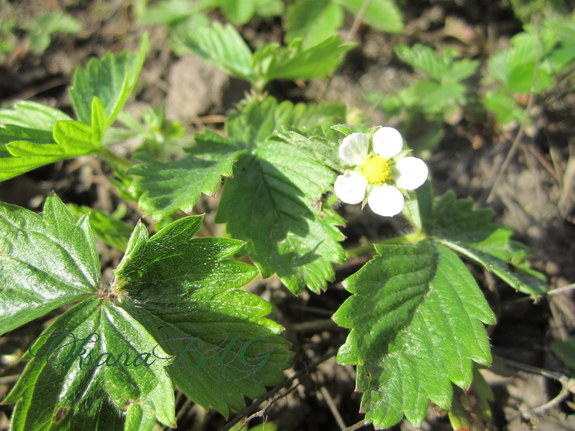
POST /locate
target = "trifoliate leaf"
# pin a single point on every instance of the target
(472, 234)
(45, 262)
(112, 231)
(416, 317)
(185, 292)
(94, 363)
(224, 47)
(112, 79)
(297, 61)
(165, 187)
(381, 14)
(312, 20)
(271, 203)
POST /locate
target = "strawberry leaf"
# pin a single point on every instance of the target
(472, 234)
(185, 292)
(165, 187)
(111, 79)
(279, 187)
(45, 262)
(416, 318)
(89, 368)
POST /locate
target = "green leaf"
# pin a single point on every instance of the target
(94, 363)
(416, 317)
(472, 234)
(504, 106)
(112, 79)
(322, 150)
(257, 121)
(165, 187)
(312, 20)
(383, 15)
(43, 26)
(224, 47)
(26, 140)
(280, 187)
(440, 66)
(45, 262)
(112, 231)
(185, 292)
(297, 61)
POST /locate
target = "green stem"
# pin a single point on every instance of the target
(114, 159)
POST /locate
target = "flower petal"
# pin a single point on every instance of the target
(412, 173)
(350, 187)
(385, 200)
(354, 148)
(387, 142)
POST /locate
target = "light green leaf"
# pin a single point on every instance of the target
(165, 187)
(224, 47)
(416, 317)
(440, 66)
(238, 12)
(112, 231)
(297, 61)
(43, 26)
(112, 79)
(472, 234)
(504, 106)
(94, 363)
(45, 262)
(322, 150)
(280, 187)
(383, 15)
(312, 20)
(28, 128)
(185, 292)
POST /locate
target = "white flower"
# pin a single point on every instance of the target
(383, 174)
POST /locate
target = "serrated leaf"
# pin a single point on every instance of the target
(90, 366)
(472, 234)
(111, 79)
(185, 292)
(224, 47)
(440, 66)
(26, 127)
(324, 151)
(279, 187)
(165, 187)
(257, 121)
(297, 61)
(312, 20)
(112, 231)
(416, 318)
(383, 15)
(45, 262)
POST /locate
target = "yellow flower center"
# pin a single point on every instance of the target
(377, 170)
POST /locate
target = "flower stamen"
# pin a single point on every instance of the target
(377, 170)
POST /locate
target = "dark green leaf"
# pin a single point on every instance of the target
(281, 187)
(165, 187)
(89, 368)
(45, 262)
(416, 318)
(472, 234)
(185, 292)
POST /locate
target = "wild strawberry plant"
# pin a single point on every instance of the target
(174, 314)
